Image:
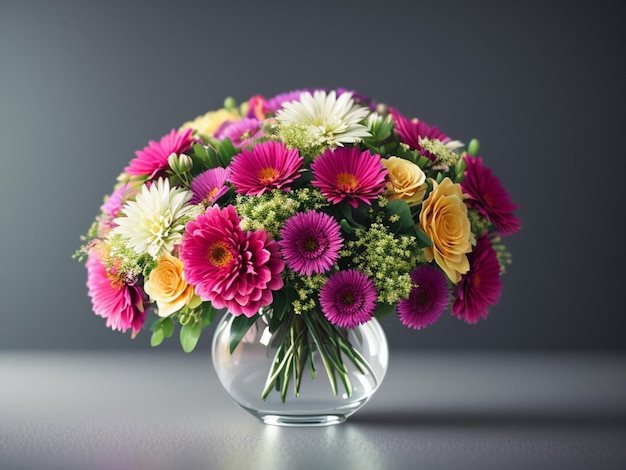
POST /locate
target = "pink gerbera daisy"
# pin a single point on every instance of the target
(241, 133)
(210, 185)
(233, 269)
(427, 299)
(114, 299)
(349, 174)
(348, 298)
(485, 193)
(481, 286)
(411, 131)
(153, 158)
(311, 242)
(269, 165)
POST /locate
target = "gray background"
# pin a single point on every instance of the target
(84, 84)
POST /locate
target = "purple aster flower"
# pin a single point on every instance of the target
(358, 98)
(275, 103)
(485, 193)
(210, 185)
(241, 133)
(112, 207)
(481, 286)
(412, 130)
(311, 242)
(348, 298)
(427, 299)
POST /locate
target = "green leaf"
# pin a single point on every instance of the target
(226, 151)
(200, 151)
(459, 170)
(383, 310)
(400, 209)
(189, 336)
(348, 212)
(157, 337)
(238, 329)
(208, 313)
(200, 158)
(161, 329)
(422, 238)
(167, 326)
(346, 226)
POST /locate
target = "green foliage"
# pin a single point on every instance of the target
(161, 329)
(189, 336)
(238, 329)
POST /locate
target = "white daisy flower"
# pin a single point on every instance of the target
(322, 120)
(155, 221)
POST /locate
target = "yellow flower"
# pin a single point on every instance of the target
(407, 181)
(210, 122)
(166, 285)
(444, 219)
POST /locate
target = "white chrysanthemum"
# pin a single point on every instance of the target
(322, 120)
(155, 221)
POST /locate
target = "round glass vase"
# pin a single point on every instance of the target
(290, 383)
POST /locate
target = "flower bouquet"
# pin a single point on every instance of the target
(316, 211)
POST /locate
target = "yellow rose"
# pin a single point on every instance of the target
(167, 286)
(407, 181)
(211, 121)
(444, 220)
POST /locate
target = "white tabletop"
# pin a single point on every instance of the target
(162, 410)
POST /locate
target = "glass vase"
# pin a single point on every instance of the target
(289, 375)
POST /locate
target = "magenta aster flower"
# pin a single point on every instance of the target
(411, 131)
(233, 269)
(241, 133)
(348, 298)
(113, 204)
(485, 193)
(210, 185)
(311, 242)
(427, 299)
(153, 158)
(269, 165)
(112, 298)
(349, 174)
(276, 102)
(481, 286)
(111, 209)
(259, 107)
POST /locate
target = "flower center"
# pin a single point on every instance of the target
(311, 245)
(347, 182)
(422, 297)
(219, 255)
(348, 299)
(268, 175)
(211, 196)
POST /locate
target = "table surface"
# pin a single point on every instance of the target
(162, 410)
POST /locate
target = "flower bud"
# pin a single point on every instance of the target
(472, 147)
(230, 103)
(180, 163)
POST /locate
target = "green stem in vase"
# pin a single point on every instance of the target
(298, 339)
